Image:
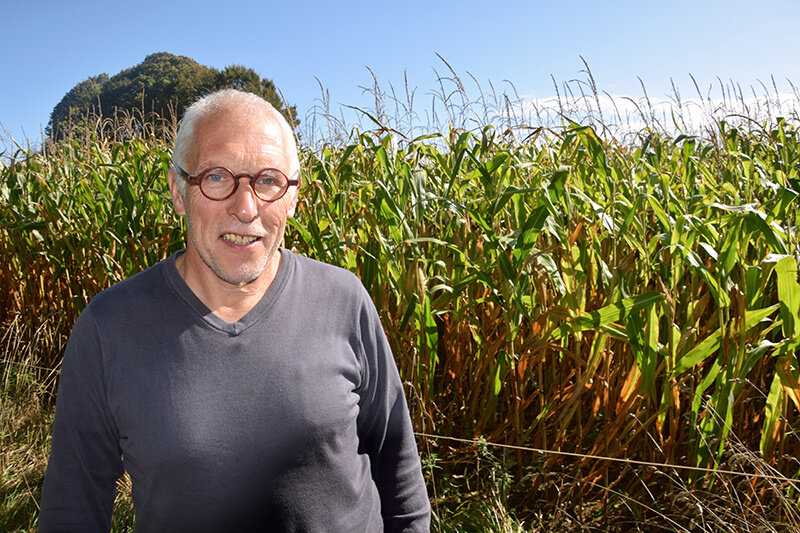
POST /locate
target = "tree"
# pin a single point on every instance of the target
(81, 100)
(246, 79)
(161, 85)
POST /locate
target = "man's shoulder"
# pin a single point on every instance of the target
(323, 280)
(312, 270)
(131, 292)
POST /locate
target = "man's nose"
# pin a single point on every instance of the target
(244, 202)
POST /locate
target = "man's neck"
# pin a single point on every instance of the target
(229, 301)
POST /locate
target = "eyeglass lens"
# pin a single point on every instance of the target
(219, 183)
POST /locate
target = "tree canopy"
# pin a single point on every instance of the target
(164, 84)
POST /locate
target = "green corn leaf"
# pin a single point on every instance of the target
(699, 353)
(546, 262)
(348, 151)
(481, 222)
(304, 233)
(556, 188)
(383, 159)
(786, 197)
(756, 221)
(730, 252)
(754, 316)
(789, 295)
(527, 236)
(702, 387)
(616, 312)
(658, 211)
(411, 308)
(776, 401)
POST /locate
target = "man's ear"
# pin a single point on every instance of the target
(294, 199)
(177, 197)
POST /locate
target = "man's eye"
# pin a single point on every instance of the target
(270, 179)
(215, 178)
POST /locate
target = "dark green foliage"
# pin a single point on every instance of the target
(161, 85)
(80, 100)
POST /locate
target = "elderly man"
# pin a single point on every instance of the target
(242, 387)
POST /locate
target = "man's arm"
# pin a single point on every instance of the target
(85, 460)
(386, 433)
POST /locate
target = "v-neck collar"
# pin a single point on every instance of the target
(275, 289)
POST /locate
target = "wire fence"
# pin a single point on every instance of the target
(480, 442)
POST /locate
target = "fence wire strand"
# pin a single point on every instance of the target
(481, 442)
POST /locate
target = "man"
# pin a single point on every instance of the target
(242, 387)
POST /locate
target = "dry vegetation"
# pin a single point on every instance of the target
(625, 303)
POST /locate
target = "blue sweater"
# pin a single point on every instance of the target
(291, 419)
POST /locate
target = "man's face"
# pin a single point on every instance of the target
(235, 240)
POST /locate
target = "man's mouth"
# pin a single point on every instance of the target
(242, 240)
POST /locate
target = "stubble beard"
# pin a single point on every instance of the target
(245, 273)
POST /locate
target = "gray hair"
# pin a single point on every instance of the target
(213, 103)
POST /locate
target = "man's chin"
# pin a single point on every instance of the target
(236, 274)
(238, 277)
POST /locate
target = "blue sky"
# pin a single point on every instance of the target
(49, 46)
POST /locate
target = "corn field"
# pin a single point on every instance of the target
(628, 303)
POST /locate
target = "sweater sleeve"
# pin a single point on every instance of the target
(85, 459)
(386, 434)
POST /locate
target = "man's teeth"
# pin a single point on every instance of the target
(238, 239)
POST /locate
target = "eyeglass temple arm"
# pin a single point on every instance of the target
(185, 175)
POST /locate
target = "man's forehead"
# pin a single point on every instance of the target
(237, 120)
(237, 132)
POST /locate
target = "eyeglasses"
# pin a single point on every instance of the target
(219, 183)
